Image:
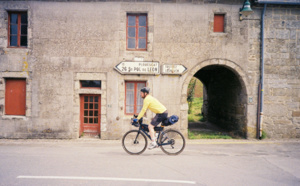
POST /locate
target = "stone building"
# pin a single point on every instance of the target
(72, 68)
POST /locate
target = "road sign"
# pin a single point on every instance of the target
(130, 67)
(173, 69)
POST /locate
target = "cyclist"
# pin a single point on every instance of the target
(155, 106)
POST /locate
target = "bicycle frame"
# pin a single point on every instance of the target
(160, 132)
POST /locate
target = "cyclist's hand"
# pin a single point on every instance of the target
(135, 120)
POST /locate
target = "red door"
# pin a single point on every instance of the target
(15, 97)
(90, 115)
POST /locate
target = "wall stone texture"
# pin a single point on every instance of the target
(69, 41)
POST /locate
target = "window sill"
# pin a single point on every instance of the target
(17, 47)
(14, 117)
(219, 34)
(136, 50)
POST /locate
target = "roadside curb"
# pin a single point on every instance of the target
(188, 141)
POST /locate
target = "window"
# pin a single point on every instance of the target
(136, 32)
(15, 96)
(90, 84)
(17, 29)
(219, 22)
(133, 101)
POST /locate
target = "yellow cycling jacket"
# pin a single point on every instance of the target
(153, 104)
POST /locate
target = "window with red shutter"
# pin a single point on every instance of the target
(219, 22)
(15, 97)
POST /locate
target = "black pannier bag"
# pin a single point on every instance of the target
(171, 120)
(145, 128)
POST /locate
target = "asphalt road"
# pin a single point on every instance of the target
(98, 162)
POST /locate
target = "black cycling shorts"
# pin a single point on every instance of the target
(159, 118)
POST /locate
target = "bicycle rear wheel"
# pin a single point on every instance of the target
(172, 142)
(134, 142)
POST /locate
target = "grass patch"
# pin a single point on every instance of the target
(207, 135)
(195, 114)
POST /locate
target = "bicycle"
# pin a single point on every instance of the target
(170, 141)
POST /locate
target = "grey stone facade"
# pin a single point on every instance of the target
(73, 41)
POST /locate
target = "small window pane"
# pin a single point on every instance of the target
(24, 29)
(24, 18)
(14, 18)
(13, 40)
(96, 120)
(13, 29)
(139, 108)
(96, 106)
(131, 43)
(142, 43)
(96, 99)
(86, 99)
(23, 40)
(129, 109)
(90, 84)
(139, 99)
(131, 20)
(142, 20)
(91, 113)
(96, 113)
(91, 120)
(142, 32)
(129, 86)
(129, 98)
(91, 106)
(86, 106)
(131, 31)
(91, 99)
(85, 120)
(85, 113)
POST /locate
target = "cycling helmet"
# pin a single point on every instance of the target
(145, 90)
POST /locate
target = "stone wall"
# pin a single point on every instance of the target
(282, 72)
(282, 69)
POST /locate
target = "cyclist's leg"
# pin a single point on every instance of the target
(151, 126)
(151, 132)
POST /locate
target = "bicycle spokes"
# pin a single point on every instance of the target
(172, 142)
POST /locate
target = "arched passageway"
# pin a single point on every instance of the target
(225, 98)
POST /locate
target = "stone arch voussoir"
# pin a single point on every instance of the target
(234, 67)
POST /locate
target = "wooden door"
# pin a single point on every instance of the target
(90, 115)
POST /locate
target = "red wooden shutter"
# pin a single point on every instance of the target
(219, 23)
(15, 97)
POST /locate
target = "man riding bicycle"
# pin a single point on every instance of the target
(155, 106)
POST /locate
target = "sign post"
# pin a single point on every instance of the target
(173, 69)
(130, 67)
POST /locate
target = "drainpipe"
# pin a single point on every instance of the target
(262, 69)
(261, 86)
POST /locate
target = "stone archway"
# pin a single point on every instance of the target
(226, 86)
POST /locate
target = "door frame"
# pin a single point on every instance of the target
(81, 114)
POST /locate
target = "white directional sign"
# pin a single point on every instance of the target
(129, 67)
(173, 69)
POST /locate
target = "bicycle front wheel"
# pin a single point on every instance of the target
(172, 142)
(134, 142)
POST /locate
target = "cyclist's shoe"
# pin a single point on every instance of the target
(152, 145)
